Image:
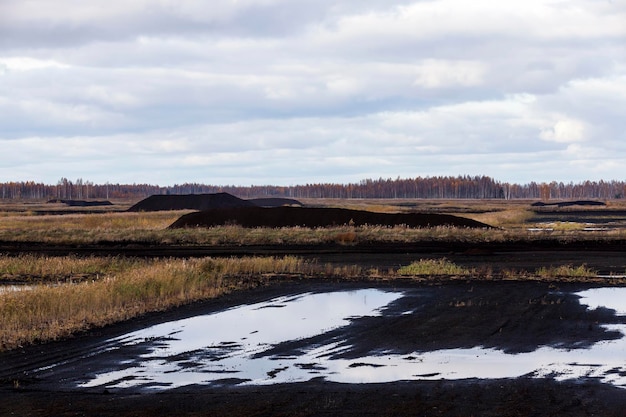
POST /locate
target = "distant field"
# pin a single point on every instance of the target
(515, 219)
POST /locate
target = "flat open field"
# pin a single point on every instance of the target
(513, 289)
(524, 238)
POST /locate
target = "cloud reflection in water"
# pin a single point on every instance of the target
(228, 346)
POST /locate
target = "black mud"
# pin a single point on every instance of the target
(317, 217)
(206, 202)
(514, 317)
(189, 202)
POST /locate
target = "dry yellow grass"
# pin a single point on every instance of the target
(82, 227)
(48, 312)
(433, 267)
(67, 268)
(568, 271)
(511, 217)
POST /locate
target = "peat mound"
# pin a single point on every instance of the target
(80, 203)
(190, 202)
(275, 202)
(569, 203)
(206, 202)
(316, 217)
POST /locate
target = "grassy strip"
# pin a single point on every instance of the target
(35, 268)
(236, 235)
(84, 228)
(443, 267)
(52, 312)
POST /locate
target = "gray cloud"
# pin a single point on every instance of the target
(39, 23)
(275, 91)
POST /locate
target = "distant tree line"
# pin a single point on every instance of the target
(460, 187)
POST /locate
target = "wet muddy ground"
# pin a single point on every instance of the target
(509, 317)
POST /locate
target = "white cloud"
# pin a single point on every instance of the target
(27, 64)
(565, 130)
(438, 73)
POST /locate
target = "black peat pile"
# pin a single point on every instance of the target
(569, 203)
(190, 202)
(275, 202)
(316, 217)
(206, 202)
(80, 203)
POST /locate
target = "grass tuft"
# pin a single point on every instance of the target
(567, 271)
(432, 267)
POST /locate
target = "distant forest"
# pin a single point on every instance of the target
(471, 187)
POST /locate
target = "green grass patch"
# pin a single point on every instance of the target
(566, 271)
(432, 267)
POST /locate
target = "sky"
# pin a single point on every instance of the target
(288, 92)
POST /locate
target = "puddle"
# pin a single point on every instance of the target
(233, 347)
(7, 288)
(613, 298)
(229, 344)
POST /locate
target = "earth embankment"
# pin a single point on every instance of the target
(206, 202)
(317, 217)
(189, 202)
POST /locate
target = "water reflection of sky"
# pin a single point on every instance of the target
(226, 345)
(613, 298)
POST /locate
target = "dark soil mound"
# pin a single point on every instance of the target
(81, 203)
(190, 202)
(275, 202)
(569, 203)
(315, 217)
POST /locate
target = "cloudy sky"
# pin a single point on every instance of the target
(288, 92)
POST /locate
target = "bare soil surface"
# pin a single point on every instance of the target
(442, 398)
(206, 202)
(317, 217)
(189, 202)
